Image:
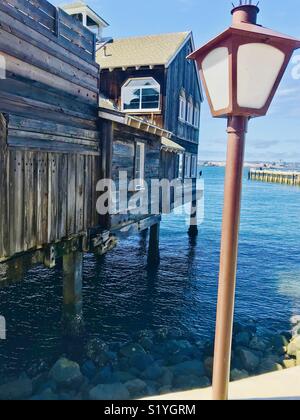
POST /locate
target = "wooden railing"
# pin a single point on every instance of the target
(43, 17)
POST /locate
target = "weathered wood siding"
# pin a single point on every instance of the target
(182, 74)
(122, 151)
(50, 139)
(111, 83)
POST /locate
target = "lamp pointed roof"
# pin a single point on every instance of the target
(250, 30)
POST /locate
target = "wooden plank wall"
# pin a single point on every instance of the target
(123, 159)
(50, 138)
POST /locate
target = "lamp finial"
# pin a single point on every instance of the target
(245, 12)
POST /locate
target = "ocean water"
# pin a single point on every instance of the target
(123, 296)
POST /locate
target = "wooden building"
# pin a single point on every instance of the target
(150, 77)
(56, 143)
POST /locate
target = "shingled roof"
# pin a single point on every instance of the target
(142, 51)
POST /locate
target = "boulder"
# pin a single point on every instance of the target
(131, 349)
(242, 339)
(89, 369)
(295, 320)
(141, 361)
(136, 387)
(153, 372)
(109, 392)
(97, 350)
(289, 363)
(184, 382)
(269, 364)
(146, 343)
(167, 378)
(237, 375)
(165, 390)
(208, 364)
(258, 343)
(104, 376)
(120, 376)
(294, 347)
(193, 367)
(248, 359)
(46, 395)
(19, 389)
(66, 373)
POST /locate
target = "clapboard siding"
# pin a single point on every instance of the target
(50, 140)
(123, 159)
(181, 74)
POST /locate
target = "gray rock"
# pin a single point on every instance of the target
(184, 382)
(109, 392)
(294, 347)
(97, 351)
(46, 395)
(257, 343)
(248, 359)
(295, 320)
(120, 376)
(289, 363)
(237, 375)
(131, 349)
(146, 343)
(66, 373)
(242, 339)
(19, 389)
(141, 361)
(136, 387)
(153, 372)
(165, 390)
(269, 364)
(89, 369)
(104, 376)
(208, 364)
(193, 367)
(167, 378)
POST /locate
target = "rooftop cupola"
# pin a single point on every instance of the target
(88, 17)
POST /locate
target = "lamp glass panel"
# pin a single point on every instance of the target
(258, 66)
(215, 67)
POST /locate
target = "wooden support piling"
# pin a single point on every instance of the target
(72, 292)
(153, 251)
(193, 229)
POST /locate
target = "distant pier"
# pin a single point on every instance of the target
(275, 176)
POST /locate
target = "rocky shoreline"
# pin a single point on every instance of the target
(153, 363)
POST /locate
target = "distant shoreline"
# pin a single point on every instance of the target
(258, 165)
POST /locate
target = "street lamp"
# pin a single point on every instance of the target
(241, 70)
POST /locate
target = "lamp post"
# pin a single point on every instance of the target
(241, 70)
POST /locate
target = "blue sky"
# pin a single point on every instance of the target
(274, 137)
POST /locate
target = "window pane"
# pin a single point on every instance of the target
(150, 98)
(131, 98)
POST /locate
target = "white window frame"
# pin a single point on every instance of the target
(180, 166)
(190, 112)
(141, 87)
(194, 166)
(187, 165)
(182, 106)
(197, 116)
(139, 181)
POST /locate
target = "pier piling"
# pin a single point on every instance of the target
(72, 292)
(193, 229)
(153, 251)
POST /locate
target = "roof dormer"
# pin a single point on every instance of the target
(88, 17)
